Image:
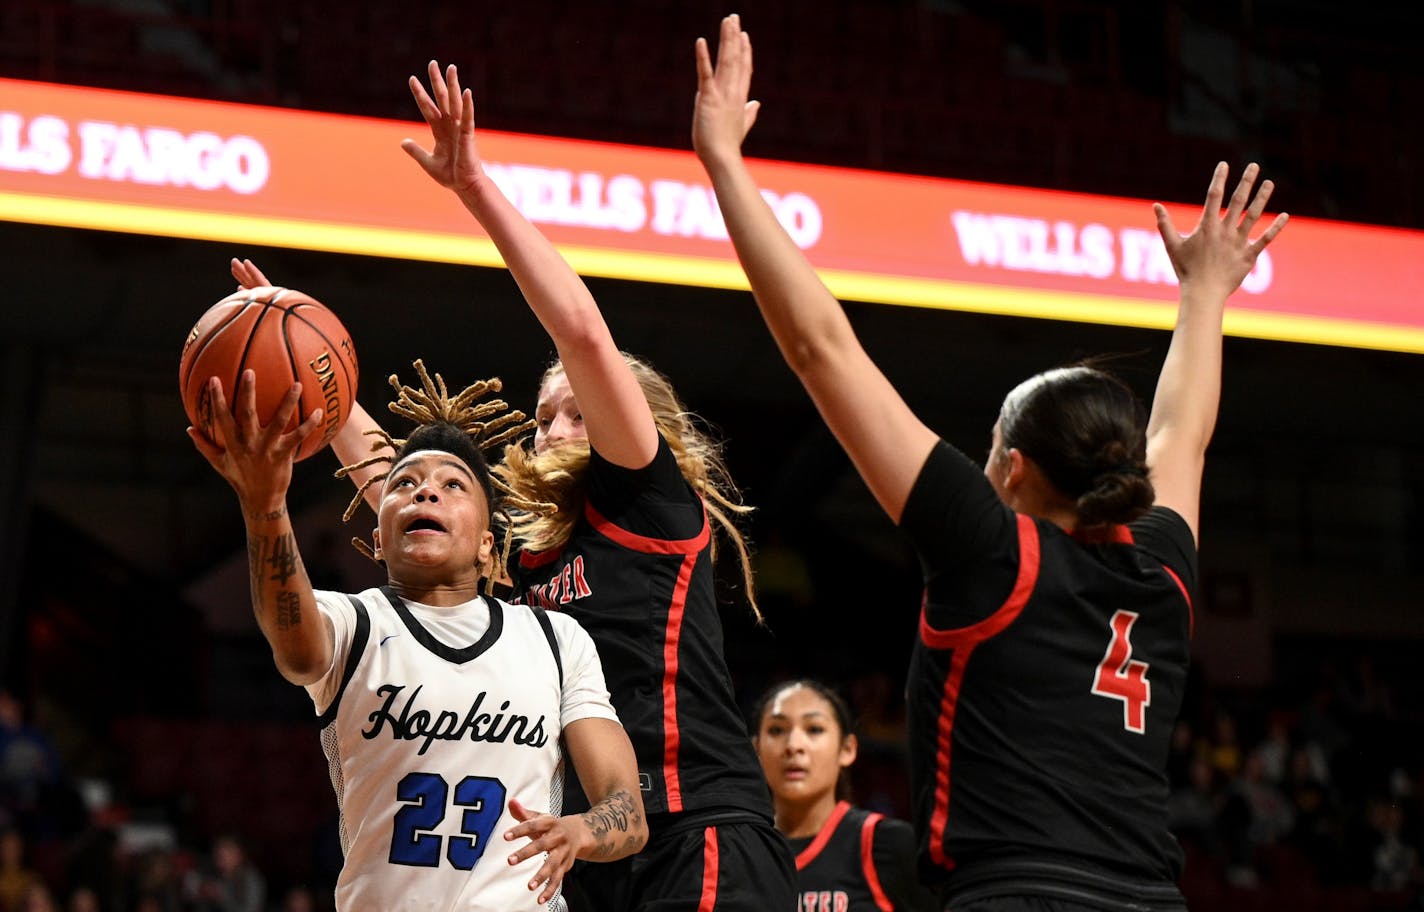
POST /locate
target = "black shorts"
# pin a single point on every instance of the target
(726, 867)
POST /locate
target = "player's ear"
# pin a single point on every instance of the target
(850, 749)
(376, 545)
(483, 557)
(1016, 468)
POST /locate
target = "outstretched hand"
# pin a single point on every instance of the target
(454, 162)
(1219, 253)
(558, 838)
(255, 459)
(723, 115)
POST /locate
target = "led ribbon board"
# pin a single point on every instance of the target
(243, 174)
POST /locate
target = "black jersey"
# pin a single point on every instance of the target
(1044, 685)
(859, 862)
(637, 575)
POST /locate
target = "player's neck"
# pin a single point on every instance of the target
(803, 820)
(437, 595)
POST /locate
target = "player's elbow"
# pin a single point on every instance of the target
(299, 667)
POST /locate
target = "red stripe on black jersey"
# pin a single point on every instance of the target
(690, 548)
(828, 829)
(709, 871)
(867, 863)
(962, 642)
(636, 542)
(1191, 612)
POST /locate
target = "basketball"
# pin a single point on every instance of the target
(284, 336)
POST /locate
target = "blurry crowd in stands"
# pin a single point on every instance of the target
(1313, 801)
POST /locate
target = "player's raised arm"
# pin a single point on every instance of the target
(1211, 263)
(354, 440)
(615, 413)
(257, 462)
(884, 439)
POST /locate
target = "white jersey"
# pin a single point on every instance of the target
(432, 720)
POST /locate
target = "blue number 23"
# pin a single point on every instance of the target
(425, 796)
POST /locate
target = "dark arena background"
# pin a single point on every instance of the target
(143, 720)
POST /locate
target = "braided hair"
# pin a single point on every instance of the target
(461, 425)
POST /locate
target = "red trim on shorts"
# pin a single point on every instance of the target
(828, 829)
(1191, 613)
(643, 543)
(867, 863)
(962, 641)
(709, 871)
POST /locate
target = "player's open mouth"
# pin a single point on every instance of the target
(424, 524)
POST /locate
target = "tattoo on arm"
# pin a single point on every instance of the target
(609, 821)
(269, 517)
(289, 610)
(283, 558)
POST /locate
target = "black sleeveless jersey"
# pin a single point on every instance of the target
(1044, 685)
(637, 575)
(859, 862)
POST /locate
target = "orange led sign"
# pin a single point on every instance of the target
(243, 174)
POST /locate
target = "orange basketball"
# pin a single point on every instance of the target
(283, 336)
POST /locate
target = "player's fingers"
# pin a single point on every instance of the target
(423, 101)
(1170, 237)
(1215, 191)
(519, 811)
(1242, 194)
(467, 113)
(222, 412)
(1258, 206)
(704, 62)
(416, 151)
(551, 882)
(452, 82)
(437, 87)
(210, 450)
(275, 430)
(308, 430)
(1270, 234)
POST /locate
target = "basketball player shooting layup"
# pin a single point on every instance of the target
(1054, 638)
(441, 710)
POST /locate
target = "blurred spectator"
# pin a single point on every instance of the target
(1395, 862)
(1275, 749)
(38, 898)
(231, 883)
(83, 899)
(1181, 751)
(16, 878)
(28, 763)
(298, 899)
(1225, 748)
(1193, 808)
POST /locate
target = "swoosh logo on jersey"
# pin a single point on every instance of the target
(387, 637)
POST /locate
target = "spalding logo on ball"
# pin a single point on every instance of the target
(284, 336)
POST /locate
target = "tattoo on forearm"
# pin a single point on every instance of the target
(283, 558)
(269, 517)
(254, 563)
(611, 819)
(289, 610)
